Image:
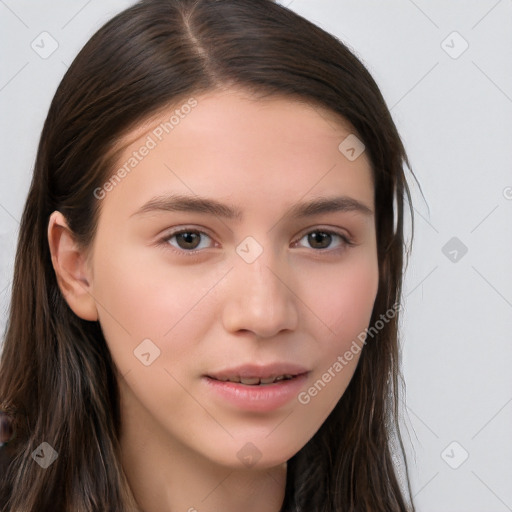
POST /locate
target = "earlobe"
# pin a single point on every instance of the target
(71, 269)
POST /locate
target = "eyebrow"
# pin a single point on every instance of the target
(186, 203)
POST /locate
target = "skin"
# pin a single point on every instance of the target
(297, 302)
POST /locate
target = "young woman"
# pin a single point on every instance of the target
(208, 276)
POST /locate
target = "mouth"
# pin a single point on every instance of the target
(256, 381)
(259, 389)
(255, 375)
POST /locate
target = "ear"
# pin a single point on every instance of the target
(71, 268)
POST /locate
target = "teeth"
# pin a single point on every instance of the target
(254, 381)
(251, 381)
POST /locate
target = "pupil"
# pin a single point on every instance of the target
(314, 238)
(190, 240)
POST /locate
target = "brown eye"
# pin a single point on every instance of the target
(319, 239)
(188, 240)
(325, 240)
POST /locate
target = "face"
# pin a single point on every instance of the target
(208, 267)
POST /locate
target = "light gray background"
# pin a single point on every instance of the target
(454, 112)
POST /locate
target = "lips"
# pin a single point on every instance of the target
(257, 389)
(253, 375)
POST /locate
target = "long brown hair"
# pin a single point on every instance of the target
(57, 380)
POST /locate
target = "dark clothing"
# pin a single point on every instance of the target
(5, 491)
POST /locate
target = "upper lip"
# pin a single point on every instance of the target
(248, 371)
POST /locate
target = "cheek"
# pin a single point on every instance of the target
(343, 299)
(141, 298)
(344, 305)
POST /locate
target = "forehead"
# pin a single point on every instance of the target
(231, 142)
(233, 105)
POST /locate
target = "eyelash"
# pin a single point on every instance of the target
(345, 241)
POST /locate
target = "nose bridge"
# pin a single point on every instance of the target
(259, 300)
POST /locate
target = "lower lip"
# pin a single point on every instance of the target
(262, 398)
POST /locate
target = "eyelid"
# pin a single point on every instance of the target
(324, 228)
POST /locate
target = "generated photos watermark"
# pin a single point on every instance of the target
(151, 142)
(304, 397)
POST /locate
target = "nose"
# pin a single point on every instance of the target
(259, 299)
